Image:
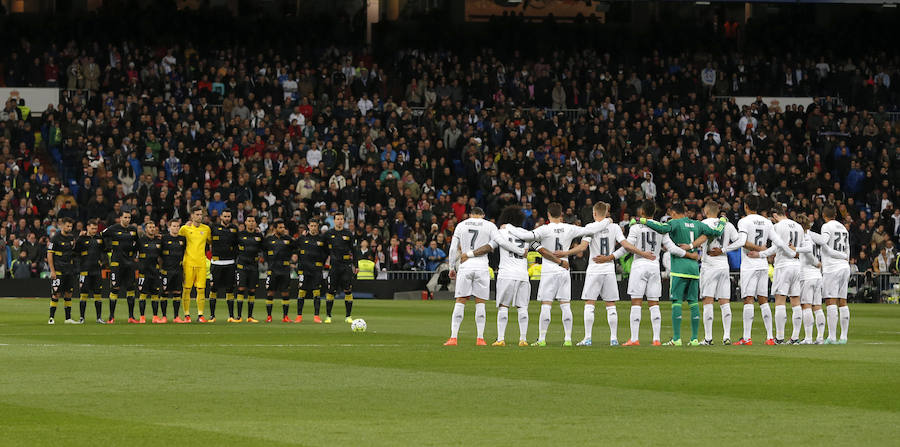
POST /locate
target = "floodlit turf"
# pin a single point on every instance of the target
(310, 384)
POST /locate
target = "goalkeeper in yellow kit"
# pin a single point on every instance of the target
(197, 235)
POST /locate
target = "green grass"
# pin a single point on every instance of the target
(307, 384)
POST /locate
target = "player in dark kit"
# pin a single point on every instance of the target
(343, 266)
(312, 265)
(122, 241)
(173, 246)
(60, 258)
(249, 244)
(224, 241)
(91, 255)
(279, 247)
(149, 280)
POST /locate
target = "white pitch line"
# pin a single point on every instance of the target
(298, 345)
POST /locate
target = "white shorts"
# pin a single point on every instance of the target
(645, 281)
(555, 286)
(513, 293)
(786, 281)
(715, 283)
(835, 284)
(811, 292)
(600, 286)
(475, 283)
(754, 283)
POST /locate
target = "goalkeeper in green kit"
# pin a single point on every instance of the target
(684, 279)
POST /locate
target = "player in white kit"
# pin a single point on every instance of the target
(715, 277)
(555, 281)
(755, 232)
(600, 278)
(836, 276)
(811, 280)
(645, 279)
(786, 282)
(472, 278)
(513, 284)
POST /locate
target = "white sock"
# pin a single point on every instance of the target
(707, 321)
(726, 320)
(588, 321)
(523, 323)
(480, 318)
(808, 324)
(566, 309)
(635, 323)
(748, 321)
(796, 322)
(780, 320)
(459, 311)
(845, 321)
(544, 322)
(655, 321)
(820, 325)
(766, 312)
(831, 317)
(612, 317)
(502, 319)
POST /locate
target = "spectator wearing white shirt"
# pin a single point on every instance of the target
(314, 156)
(297, 116)
(364, 104)
(747, 120)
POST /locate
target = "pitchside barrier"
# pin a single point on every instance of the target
(871, 287)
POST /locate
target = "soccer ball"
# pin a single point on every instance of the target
(358, 325)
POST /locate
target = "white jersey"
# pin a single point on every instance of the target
(512, 265)
(603, 243)
(471, 234)
(645, 239)
(838, 240)
(810, 260)
(559, 236)
(724, 242)
(758, 230)
(792, 233)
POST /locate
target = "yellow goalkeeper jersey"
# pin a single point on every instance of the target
(197, 238)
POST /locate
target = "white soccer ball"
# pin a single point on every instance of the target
(358, 325)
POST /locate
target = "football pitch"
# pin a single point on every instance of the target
(311, 384)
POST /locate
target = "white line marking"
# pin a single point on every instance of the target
(298, 345)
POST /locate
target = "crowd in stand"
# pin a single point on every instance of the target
(404, 142)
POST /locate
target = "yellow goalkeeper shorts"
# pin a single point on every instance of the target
(194, 276)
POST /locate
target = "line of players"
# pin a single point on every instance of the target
(159, 265)
(807, 265)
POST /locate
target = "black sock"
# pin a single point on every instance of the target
(230, 303)
(240, 308)
(82, 306)
(269, 305)
(53, 305)
(176, 306)
(142, 306)
(300, 302)
(317, 304)
(68, 310)
(329, 305)
(130, 301)
(249, 308)
(212, 308)
(349, 306)
(285, 306)
(164, 304)
(98, 307)
(154, 304)
(112, 309)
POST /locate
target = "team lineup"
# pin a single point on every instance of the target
(808, 267)
(159, 267)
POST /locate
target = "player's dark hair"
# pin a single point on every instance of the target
(752, 203)
(778, 209)
(67, 220)
(677, 207)
(226, 210)
(648, 208)
(194, 209)
(339, 213)
(124, 212)
(804, 221)
(512, 215)
(829, 211)
(276, 222)
(554, 210)
(477, 211)
(249, 216)
(94, 221)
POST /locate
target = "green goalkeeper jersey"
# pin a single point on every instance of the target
(685, 231)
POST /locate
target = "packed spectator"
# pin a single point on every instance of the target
(405, 142)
